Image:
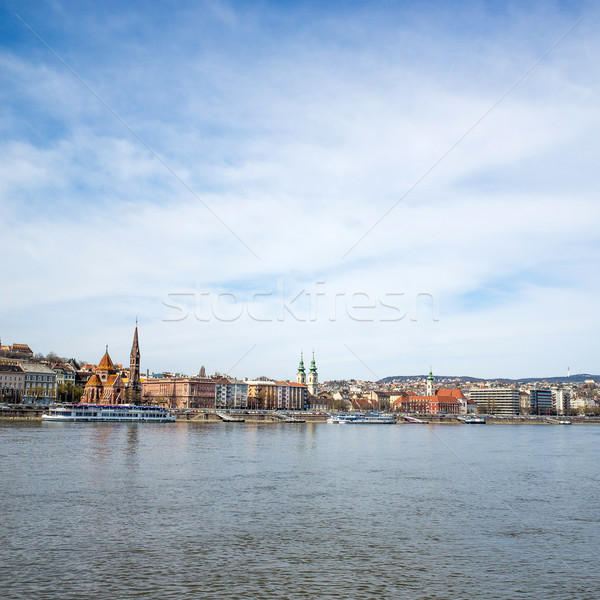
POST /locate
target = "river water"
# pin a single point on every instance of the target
(299, 511)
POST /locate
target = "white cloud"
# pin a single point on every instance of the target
(300, 147)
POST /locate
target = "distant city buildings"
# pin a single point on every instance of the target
(35, 379)
(22, 351)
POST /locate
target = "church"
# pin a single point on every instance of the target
(313, 377)
(108, 386)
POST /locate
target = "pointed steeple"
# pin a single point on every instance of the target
(134, 362)
(313, 377)
(301, 374)
(430, 383)
(106, 363)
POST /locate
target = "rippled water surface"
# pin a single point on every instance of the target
(299, 511)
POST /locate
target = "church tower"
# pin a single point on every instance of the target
(134, 363)
(313, 377)
(301, 376)
(430, 384)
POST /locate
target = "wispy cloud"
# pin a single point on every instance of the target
(300, 128)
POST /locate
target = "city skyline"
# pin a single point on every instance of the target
(393, 186)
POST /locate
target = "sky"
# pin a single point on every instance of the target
(394, 185)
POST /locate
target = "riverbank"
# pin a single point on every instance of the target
(24, 413)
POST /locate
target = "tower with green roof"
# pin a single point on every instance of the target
(430, 383)
(301, 375)
(313, 377)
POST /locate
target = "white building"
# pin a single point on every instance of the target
(561, 400)
(499, 401)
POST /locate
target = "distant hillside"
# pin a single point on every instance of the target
(461, 379)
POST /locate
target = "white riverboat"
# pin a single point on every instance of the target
(362, 419)
(108, 413)
(472, 420)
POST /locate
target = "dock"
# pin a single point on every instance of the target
(229, 418)
(413, 420)
(286, 418)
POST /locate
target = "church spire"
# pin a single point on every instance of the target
(134, 362)
(430, 383)
(301, 375)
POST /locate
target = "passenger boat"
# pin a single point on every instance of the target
(108, 413)
(362, 419)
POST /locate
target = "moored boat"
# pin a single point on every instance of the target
(362, 419)
(107, 413)
(472, 420)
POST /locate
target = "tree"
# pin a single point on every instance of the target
(67, 393)
(132, 396)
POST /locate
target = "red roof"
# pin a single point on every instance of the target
(455, 393)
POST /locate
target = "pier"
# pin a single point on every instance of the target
(229, 418)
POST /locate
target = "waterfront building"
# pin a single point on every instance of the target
(500, 401)
(230, 393)
(426, 405)
(177, 391)
(12, 383)
(291, 396)
(561, 398)
(262, 394)
(40, 383)
(540, 402)
(464, 406)
(106, 385)
(443, 401)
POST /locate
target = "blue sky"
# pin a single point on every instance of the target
(421, 179)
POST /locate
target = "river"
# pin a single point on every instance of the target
(299, 511)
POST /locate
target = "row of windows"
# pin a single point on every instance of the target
(41, 377)
(10, 378)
